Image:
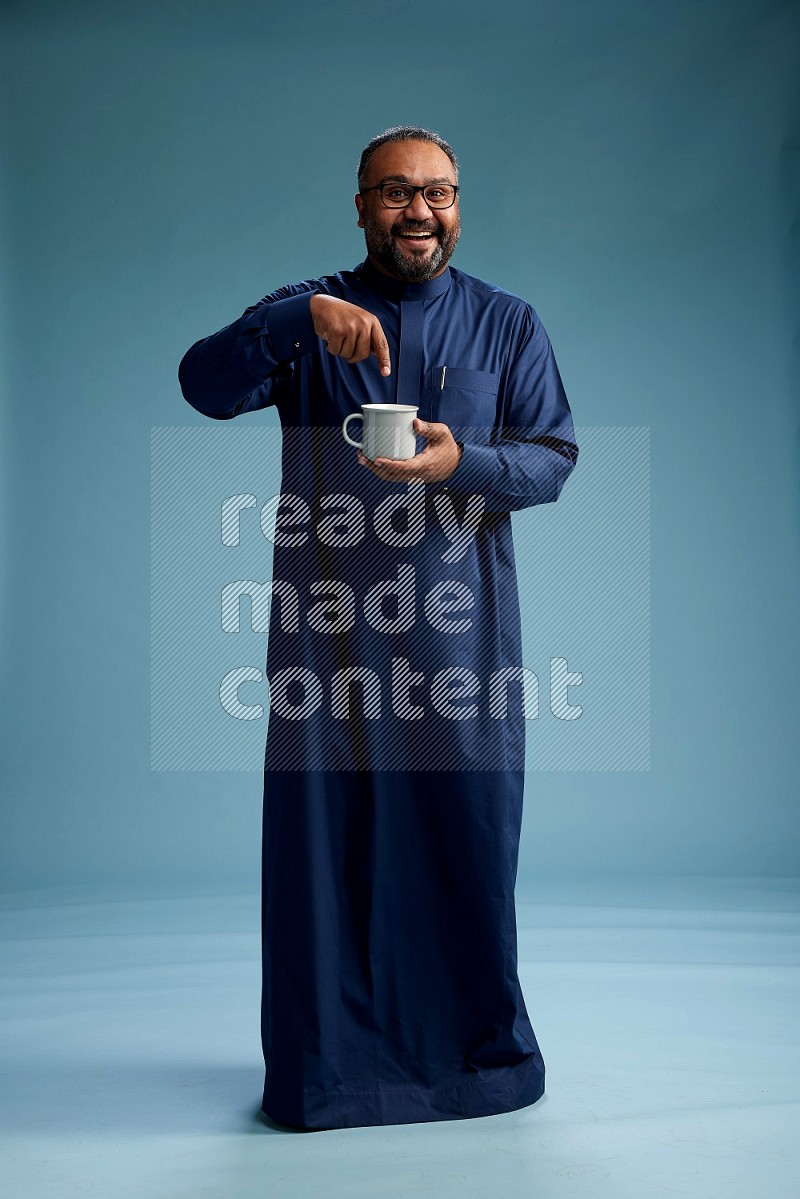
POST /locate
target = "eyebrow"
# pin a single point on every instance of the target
(405, 179)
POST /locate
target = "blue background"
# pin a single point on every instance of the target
(633, 171)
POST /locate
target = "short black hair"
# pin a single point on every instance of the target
(401, 133)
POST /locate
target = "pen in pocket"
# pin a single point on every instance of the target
(444, 372)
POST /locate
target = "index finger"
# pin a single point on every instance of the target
(380, 348)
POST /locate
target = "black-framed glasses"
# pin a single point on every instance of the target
(400, 195)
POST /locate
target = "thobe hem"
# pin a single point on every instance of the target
(488, 1093)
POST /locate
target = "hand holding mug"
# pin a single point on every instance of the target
(389, 444)
(435, 463)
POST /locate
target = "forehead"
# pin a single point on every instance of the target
(418, 161)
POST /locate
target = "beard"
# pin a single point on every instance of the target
(415, 266)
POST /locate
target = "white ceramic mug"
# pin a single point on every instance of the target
(388, 430)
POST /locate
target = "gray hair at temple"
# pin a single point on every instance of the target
(401, 133)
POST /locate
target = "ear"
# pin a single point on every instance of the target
(359, 199)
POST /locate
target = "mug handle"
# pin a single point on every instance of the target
(359, 445)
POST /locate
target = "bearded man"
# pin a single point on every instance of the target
(392, 812)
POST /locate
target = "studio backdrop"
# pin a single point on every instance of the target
(633, 173)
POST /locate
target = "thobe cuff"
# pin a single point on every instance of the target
(289, 326)
(476, 470)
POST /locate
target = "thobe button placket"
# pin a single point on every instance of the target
(409, 369)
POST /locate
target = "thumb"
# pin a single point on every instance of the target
(425, 428)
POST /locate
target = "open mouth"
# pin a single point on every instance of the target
(418, 239)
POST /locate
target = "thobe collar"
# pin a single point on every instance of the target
(398, 289)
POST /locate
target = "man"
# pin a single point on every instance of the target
(395, 748)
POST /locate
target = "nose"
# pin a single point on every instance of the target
(418, 209)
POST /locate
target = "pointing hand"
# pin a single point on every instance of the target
(348, 331)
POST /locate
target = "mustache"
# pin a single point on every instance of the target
(417, 229)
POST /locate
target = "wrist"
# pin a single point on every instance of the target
(460, 447)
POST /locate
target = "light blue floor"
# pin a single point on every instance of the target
(666, 1012)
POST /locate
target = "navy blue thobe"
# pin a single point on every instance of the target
(394, 762)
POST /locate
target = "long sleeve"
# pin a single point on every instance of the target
(249, 364)
(529, 459)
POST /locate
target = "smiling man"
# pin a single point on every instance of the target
(391, 824)
(414, 242)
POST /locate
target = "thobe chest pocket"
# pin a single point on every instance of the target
(464, 398)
